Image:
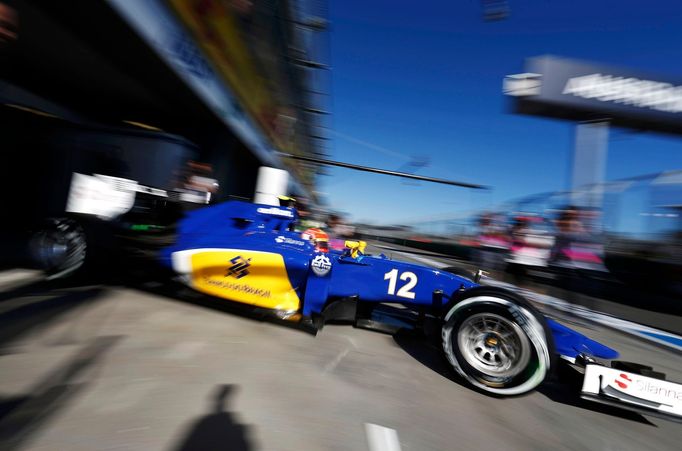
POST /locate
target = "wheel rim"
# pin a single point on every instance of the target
(59, 249)
(494, 345)
(50, 250)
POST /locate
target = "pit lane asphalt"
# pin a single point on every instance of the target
(112, 367)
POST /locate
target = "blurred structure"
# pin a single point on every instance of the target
(271, 185)
(339, 227)
(636, 236)
(596, 97)
(589, 158)
(495, 9)
(9, 24)
(269, 53)
(492, 241)
(241, 79)
(231, 83)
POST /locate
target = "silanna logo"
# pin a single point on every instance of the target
(648, 387)
(239, 267)
(623, 381)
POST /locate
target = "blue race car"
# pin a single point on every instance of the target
(494, 338)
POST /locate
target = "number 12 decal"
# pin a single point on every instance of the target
(404, 291)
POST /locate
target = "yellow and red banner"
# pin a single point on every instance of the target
(219, 29)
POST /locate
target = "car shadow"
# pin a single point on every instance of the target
(217, 429)
(563, 393)
(175, 291)
(563, 388)
(427, 352)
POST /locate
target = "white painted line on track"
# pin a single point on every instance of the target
(380, 438)
(643, 332)
(333, 364)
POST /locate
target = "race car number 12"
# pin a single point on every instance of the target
(404, 291)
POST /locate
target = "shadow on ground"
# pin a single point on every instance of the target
(30, 308)
(218, 429)
(21, 417)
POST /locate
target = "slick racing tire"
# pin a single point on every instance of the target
(497, 341)
(59, 247)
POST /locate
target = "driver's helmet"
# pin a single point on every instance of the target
(318, 238)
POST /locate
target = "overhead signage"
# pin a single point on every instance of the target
(577, 90)
(627, 91)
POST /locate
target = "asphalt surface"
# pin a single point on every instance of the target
(113, 367)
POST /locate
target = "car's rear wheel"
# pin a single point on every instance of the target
(59, 247)
(497, 342)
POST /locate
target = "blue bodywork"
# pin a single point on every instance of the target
(372, 279)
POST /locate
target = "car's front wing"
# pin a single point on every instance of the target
(647, 395)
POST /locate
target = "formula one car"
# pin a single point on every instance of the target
(494, 338)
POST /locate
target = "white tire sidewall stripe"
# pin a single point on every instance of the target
(530, 326)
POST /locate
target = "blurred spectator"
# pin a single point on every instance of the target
(491, 243)
(569, 230)
(530, 242)
(9, 33)
(576, 246)
(9, 24)
(306, 218)
(197, 185)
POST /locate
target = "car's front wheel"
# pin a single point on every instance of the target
(497, 342)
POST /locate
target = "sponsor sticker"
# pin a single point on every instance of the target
(635, 389)
(321, 265)
(623, 381)
(276, 212)
(239, 267)
(287, 240)
(238, 287)
(250, 277)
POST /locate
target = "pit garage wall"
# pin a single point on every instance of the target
(132, 83)
(160, 28)
(234, 166)
(161, 79)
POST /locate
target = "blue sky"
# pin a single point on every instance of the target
(425, 78)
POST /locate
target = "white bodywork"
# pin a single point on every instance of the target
(633, 389)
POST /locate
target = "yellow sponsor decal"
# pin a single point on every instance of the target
(256, 278)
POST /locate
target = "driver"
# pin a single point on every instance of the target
(318, 238)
